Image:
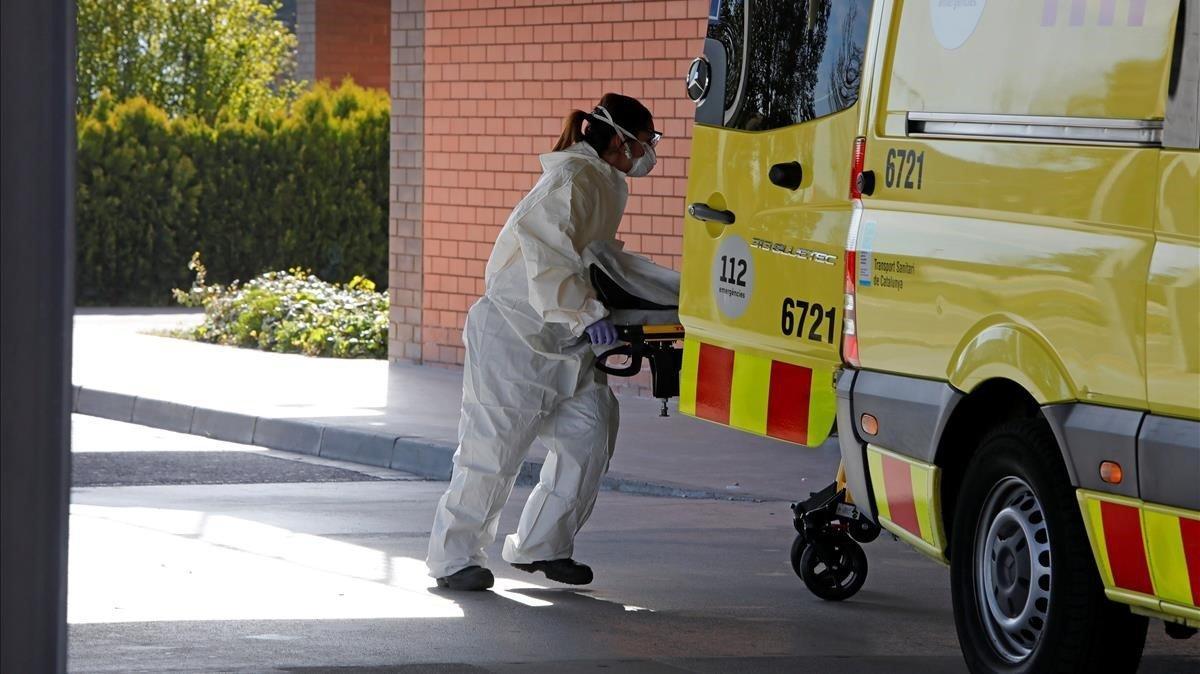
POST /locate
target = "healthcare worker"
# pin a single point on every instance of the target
(528, 371)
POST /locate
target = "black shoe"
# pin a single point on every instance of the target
(472, 578)
(566, 571)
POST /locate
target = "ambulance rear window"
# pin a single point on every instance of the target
(789, 61)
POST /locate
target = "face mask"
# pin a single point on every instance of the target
(644, 164)
(641, 165)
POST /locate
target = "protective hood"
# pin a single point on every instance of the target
(568, 160)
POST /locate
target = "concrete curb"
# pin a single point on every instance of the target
(289, 435)
(116, 406)
(426, 458)
(227, 426)
(160, 414)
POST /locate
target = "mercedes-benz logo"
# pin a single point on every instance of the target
(698, 77)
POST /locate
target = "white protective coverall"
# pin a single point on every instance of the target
(529, 373)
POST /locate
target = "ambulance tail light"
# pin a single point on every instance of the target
(850, 313)
(856, 167)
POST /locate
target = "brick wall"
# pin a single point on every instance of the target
(499, 77)
(407, 179)
(352, 38)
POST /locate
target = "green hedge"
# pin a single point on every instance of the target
(308, 187)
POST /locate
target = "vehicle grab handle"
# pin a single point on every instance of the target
(708, 214)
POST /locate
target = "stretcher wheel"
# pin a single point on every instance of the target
(863, 530)
(831, 569)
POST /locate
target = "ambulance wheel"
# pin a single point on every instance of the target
(1026, 594)
(832, 570)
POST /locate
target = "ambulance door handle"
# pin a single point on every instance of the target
(708, 214)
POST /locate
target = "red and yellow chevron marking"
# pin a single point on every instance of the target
(756, 394)
(907, 499)
(1148, 555)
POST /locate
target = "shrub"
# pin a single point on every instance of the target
(307, 187)
(291, 312)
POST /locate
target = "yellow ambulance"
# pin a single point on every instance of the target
(967, 232)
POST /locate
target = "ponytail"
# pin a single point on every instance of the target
(627, 112)
(572, 130)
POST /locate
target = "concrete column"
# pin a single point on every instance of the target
(306, 35)
(405, 215)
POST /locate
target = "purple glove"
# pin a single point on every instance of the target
(602, 332)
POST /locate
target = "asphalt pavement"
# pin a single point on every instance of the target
(288, 563)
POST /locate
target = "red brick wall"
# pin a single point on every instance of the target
(500, 75)
(353, 38)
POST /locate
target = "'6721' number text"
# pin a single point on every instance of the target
(796, 316)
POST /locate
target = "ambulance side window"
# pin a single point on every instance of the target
(789, 61)
(727, 25)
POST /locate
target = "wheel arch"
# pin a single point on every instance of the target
(989, 404)
(1000, 349)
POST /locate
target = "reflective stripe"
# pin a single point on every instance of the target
(907, 499)
(788, 408)
(755, 393)
(1148, 554)
(923, 490)
(1126, 551)
(751, 388)
(1168, 559)
(1095, 529)
(714, 380)
(875, 465)
(822, 409)
(1108, 13)
(1137, 12)
(1189, 533)
(897, 478)
(687, 377)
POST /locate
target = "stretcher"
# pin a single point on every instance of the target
(647, 331)
(642, 300)
(827, 553)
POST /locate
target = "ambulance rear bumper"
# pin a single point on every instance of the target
(854, 450)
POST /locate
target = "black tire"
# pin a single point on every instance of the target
(799, 543)
(1069, 625)
(831, 570)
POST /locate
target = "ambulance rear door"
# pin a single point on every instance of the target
(769, 209)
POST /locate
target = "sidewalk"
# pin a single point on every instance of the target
(397, 416)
